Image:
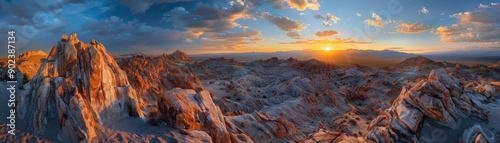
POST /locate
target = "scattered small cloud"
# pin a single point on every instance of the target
(412, 28)
(302, 14)
(424, 10)
(327, 18)
(493, 3)
(483, 6)
(377, 21)
(326, 33)
(302, 5)
(357, 14)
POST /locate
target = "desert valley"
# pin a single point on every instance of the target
(79, 92)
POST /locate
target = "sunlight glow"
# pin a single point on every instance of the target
(327, 49)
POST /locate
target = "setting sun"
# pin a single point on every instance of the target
(327, 49)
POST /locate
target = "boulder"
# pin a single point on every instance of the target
(439, 97)
(187, 109)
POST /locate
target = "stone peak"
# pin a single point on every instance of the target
(93, 41)
(72, 37)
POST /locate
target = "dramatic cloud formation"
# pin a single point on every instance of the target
(46, 15)
(424, 10)
(124, 32)
(377, 21)
(333, 41)
(482, 25)
(412, 28)
(284, 23)
(293, 34)
(229, 41)
(206, 18)
(328, 17)
(326, 33)
(140, 6)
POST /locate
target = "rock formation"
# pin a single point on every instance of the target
(81, 87)
(152, 76)
(27, 65)
(186, 109)
(439, 97)
(476, 134)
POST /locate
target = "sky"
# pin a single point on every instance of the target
(236, 26)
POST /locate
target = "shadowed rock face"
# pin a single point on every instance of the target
(439, 97)
(82, 86)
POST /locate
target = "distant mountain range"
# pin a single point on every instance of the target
(363, 57)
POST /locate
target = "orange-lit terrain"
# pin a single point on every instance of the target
(250, 71)
(80, 93)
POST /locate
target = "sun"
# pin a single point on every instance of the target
(327, 49)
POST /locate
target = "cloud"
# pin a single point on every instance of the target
(481, 25)
(412, 28)
(326, 33)
(493, 4)
(326, 18)
(483, 6)
(206, 18)
(293, 34)
(126, 32)
(48, 15)
(299, 5)
(231, 41)
(424, 10)
(140, 6)
(332, 41)
(357, 14)
(302, 5)
(284, 23)
(377, 21)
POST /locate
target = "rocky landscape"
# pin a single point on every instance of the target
(80, 93)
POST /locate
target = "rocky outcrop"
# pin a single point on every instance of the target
(152, 76)
(420, 61)
(81, 87)
(179, 56)
(440, 97)
(186, 109)
(27, 65)
(476, 134)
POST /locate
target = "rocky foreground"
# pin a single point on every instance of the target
(80, 93)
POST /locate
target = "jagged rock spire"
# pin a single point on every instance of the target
(73, 36)
(93, 41)
(64, 38)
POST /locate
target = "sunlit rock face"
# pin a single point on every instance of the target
(27, 64)
(440, 97)
(152, 76)
(81, 86)
(186, 109)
